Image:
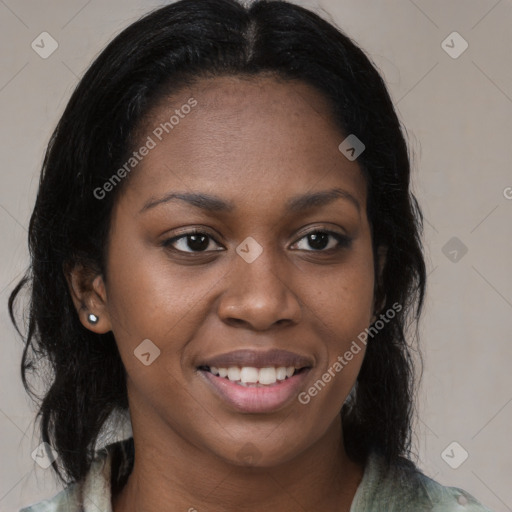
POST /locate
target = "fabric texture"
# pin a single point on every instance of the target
(401, 488)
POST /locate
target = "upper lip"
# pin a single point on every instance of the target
(258, 359)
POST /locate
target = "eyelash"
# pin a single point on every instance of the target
(344, 242)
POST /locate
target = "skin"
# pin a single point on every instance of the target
(256, 143)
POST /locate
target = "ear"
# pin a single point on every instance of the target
(89, 295)
(379, 300)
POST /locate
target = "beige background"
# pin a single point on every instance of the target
(458, 117)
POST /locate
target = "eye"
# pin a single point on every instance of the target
(194, 241)
(319, 241)
(197, 241)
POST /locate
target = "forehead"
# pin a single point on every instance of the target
(255, 136)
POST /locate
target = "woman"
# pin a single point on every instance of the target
(225, 245)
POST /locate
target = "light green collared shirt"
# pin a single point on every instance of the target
(403, 488)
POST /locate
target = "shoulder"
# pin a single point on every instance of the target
(402, 487)
(66, 500)
(93, 493)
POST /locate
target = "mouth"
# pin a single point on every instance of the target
(255, 381)
(252, 390)
(249, 376)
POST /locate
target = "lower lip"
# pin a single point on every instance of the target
(257, 399)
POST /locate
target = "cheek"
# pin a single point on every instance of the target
(344, 299)
(344, 308)
(344, 318)
(156, 307)
(144, 301)
(146, 292)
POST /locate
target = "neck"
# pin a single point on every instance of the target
(165, 476)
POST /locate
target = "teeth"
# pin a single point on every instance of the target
(249, 375)
(267, 376)
(234, 373)
(281, 373)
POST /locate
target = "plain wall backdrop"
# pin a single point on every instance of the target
(456, 105)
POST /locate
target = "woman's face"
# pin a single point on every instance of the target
(251, 282)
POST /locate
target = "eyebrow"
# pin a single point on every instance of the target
(215, 204)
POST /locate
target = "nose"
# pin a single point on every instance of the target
(259, 295)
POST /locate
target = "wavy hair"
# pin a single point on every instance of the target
(148, 61)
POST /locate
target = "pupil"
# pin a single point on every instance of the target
(319, 240)
(193, 242)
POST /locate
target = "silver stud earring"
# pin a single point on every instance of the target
(93, 319)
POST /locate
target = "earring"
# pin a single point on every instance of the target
(93, 319)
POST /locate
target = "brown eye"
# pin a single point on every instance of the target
(322, 240)
(193, 241)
